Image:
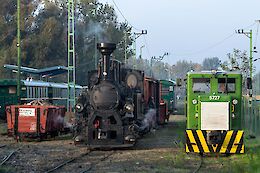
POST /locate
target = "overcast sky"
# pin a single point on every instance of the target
(192, 29)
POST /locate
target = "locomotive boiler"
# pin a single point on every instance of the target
(110, 113)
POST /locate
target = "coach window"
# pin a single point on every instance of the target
(29, 92)
(40, 92)
(45, 92)
(12, 90)
(201, 85)
(34, 92)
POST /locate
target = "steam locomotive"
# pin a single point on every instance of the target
(119, 105)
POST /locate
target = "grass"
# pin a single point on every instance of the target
(4, 169)
(3, 128)
(242, 163)
(250, 161)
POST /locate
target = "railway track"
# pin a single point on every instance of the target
(82, 163)
(2, 146)
(7, 157)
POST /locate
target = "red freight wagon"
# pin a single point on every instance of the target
(34, 121)
(152, 91)
(163, 113)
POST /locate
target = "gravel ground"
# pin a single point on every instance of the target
(162, 150)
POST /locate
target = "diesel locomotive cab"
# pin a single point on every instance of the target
(214, 112)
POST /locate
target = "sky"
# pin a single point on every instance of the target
(191, 29)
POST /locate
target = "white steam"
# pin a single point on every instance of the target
(149, 121)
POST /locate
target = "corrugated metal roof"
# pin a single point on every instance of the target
(38, 83)
(44, 72)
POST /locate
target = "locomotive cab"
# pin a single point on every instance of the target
(214, 112)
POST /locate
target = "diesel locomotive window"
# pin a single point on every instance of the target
(201, 85)
(165, 90)
(226, 85)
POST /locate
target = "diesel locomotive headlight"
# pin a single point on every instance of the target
(235, 101)
(129, 108)
(79, 107)
(194, 101)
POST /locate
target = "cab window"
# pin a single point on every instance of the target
(201, 85)
(226, 85)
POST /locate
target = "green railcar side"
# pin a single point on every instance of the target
(8, 95)
(168, 94)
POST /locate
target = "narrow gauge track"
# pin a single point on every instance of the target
(72, 164)
(2, 146)
(8, 156)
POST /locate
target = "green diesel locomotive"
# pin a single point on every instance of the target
(214, 112)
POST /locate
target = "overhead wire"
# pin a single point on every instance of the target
(214, 45)
(210, 47)
(144, 38)
(118, 9)
(192, 53)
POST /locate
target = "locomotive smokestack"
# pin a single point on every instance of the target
(106, 50)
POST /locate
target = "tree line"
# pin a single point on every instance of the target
(44, 34)
(44, 40)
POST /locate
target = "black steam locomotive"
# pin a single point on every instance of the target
(111, 112)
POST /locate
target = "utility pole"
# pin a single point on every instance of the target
(71, 57)
(250, 89)
(249, 34)
(18, 51)
(95, 36)
(125, 46)
(136, 36)
(141, 52)
(158, 59)
(95, 50)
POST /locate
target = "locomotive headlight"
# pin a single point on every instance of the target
(129, 108)
(235, 101)
(194, 101)
(79, 107)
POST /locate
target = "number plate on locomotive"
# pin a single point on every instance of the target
(214, 97)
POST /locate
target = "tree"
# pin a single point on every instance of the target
(211, 63)
(237, 61)
(44, 34)
(183, 67)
